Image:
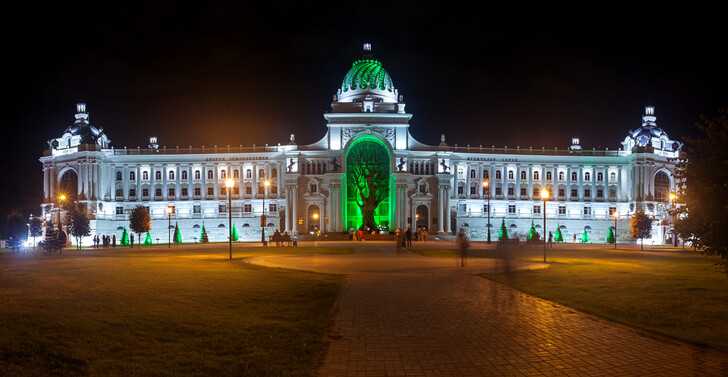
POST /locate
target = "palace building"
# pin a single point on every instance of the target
(367, 170)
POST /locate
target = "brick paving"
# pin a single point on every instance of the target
(406, 315)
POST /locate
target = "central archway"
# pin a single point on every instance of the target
(368, 199)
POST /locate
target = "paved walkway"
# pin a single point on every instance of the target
(407, 315)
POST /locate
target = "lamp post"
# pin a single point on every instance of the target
(673, 197)
(544, 197)
(169, 225)
(263, 220)
(486, 183)
(229, 183)
(616, 216)
(61, 199)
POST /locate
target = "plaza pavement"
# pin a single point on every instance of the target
(402, 314)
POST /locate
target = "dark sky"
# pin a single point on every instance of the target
(205, 75)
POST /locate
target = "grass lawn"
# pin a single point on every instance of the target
(682, 295)
(161, 313)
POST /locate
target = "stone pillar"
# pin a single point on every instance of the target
(447, 210)
(294, 214)
(288, 210)
(46, 188)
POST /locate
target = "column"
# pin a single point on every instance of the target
(294, 215)
(46, 188)
(447, 210)
(216, 181)
(288, 209)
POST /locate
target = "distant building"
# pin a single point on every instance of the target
(314, 186)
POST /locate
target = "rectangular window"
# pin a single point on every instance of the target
(485, 208)
(132, 176)
(535, 176)
(119, 210)
(197, 209)
(312, 188)
(574, 194)
(587, 193)
(248, 174)
(460, 190)
(223, 190)
(612, 211)
(472, 189)
(498, 191)
(247, 208)
(272, 207)
(132, 192)
(536, 210)
(562, 210)
(274, 190)
(600, 193)
(158, 192)
(210, 191)
(145, 175)
(587, 211)
(600, 177)
(510, 191)
(222, 208)
(511, 209)
(158, 175)
(248, 190)
(561, 193)
(119, 193)
(236, 190)
(198, 192)
(145, 192)
(197, 175)
(209, 174)
(573, 176)
(236, 173)
(523, 191)
(184, 191)
(171, 192)
(548, 176)
(523, 175)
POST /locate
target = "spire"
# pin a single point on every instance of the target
(649, 119)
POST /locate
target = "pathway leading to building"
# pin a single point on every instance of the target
(407, 315)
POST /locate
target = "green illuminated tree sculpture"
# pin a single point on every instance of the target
(368, 176)
(585, 237)
(203, 235)
(503, 232)
(148, 240)
(125, 238)
(533, 234)
(558, 237)
(610, 235)
(177, 234)
(235, 235)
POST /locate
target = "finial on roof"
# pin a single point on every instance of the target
(367, 47)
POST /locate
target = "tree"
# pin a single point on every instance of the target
(585, 237)
(36, 228)
(640, 226)
(703, 188)
(148, 239)
(17, 230)
(558, 237)
(503, 232)
(203, 235)
(80, 224)
(610, 236)
(124, 238)
(368, 178)
(235, 233)
(140, 222)
(177, 234)
(532, 234)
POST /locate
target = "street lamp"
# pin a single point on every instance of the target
(263, 221)
(170, 209)
(615, 215)
(544, 197)
(487, 191)
(673, 197)
(229, 183)
(61, 199)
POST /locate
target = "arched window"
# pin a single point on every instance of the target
(510, 174)
(223, 174)
(472, 173)
(523, 175)
(662, 187)
(209, 174)
(600, 177)
(158, 175)
(274, 173)
(197, 174)
(536, 176)
(132, 176)
(236, 173)
(485, 174)
(549, 176)
(561, 176)
(145, 175)
(612, 177)
(184, 175)
(573, 176)
(171, 174)
(261, 173)
(118, 176)
(497, 174)
(248, 174)
(587, 176)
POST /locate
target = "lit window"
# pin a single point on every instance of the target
(210, 191)
(511, 209)
(248, 190)
(612, 211)
(118, 176)
(132, 176)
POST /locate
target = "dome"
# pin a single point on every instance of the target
(650, 136)
(367, 76)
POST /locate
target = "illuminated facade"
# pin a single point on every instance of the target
(367, 159)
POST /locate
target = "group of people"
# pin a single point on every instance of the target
(284, 239)
(404, 238)
(106, 240)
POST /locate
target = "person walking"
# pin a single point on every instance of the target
(408, 236)
(397, 238)
(463, 246)
(131, 240)
(113, 240)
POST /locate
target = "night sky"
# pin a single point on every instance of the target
(204, 75)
